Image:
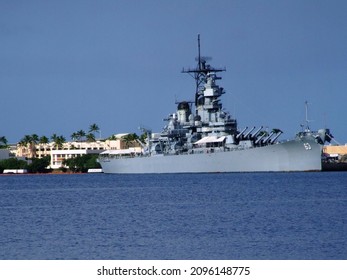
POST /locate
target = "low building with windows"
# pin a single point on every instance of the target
(58, 156)
(335, 152)
(73, 149)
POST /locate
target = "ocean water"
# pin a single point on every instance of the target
(265, 216)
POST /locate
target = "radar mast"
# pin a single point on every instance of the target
(201, 72)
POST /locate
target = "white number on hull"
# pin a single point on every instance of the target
(307, 146)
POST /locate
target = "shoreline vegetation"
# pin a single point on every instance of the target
(79, 164)
(46, 173)
(30, 146)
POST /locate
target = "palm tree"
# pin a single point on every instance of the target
(80, 134)
(90, 137)
(23, 142)
(3, 142)
(129, 139)
(113, 137)
(29, 142)
(60, 140)
(34, 141)
(26, 139)
(54, 137)
(74, 136)
(43, 141)
(94, 128)
(143, 137)
(34, 138)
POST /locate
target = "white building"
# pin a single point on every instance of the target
(71, 149)
(58, 156)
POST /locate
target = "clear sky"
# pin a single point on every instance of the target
(66, 64)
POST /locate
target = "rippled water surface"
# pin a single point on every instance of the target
(182, 216)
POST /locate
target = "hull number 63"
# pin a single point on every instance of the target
(307, 146)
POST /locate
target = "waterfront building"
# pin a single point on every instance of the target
(72, 149)
(335, 152)
(58, 156)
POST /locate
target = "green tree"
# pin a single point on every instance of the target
(43, 140)
(92, 162)
(34, 138)
(54, 137)
(12, 163)
(25, 140)
(143, 138)
(3, 142)
(90, 137)
(58, 140)
(80, 135)
(29, 142)
(113, 137)
(129, 139)
(82, 163)
(74, 136)
(39, 165)
(93, 128)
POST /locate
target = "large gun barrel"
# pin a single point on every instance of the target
(253, 135)
(261, 137)
(276, 137)
(268, 138)
(248, 132)
(240, 134)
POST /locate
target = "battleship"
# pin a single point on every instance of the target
(202, 137)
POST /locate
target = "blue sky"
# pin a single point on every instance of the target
(117, 63)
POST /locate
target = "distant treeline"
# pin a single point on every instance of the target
(40, 165)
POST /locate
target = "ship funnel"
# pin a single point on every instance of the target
(183, 111)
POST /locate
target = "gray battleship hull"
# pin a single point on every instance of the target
(294, 155)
